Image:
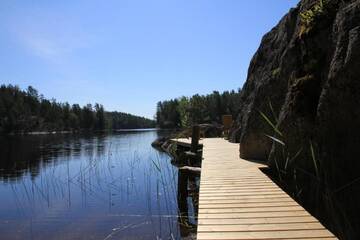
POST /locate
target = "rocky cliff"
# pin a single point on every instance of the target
(300, 108)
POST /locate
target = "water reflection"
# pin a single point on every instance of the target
(89, 187)
(188, 196)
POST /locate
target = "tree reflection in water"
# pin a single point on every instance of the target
(93, 187)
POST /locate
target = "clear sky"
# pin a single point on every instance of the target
(130, 54)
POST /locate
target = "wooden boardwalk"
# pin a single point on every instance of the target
(238, 201)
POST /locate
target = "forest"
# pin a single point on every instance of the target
(23, 111)
(186, 111)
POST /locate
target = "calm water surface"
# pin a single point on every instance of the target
(110, 186)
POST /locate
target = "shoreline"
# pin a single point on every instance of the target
(37, 133)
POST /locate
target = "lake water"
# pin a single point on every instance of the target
(108, 186)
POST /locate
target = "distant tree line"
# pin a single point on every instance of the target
(186, 111)
(28, 111)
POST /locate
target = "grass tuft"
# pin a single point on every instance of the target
(314, 159)
(270, 123)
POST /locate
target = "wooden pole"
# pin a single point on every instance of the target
(182, 195)
(227, 123)
(195, 138)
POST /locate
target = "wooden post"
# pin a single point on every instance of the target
(227, 122)
(182, 195)
(195, 138)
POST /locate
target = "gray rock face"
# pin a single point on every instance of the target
(306, 80)
(266, 83)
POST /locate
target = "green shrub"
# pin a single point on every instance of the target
(309, 17)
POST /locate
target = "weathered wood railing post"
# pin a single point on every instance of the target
(193, 157)
(227, 124)
(195, 136)
(182, 197)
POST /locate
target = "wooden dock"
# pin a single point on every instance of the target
(238, 201)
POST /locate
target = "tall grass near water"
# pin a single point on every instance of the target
(308, 184)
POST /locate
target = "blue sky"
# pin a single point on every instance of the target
(128, 55)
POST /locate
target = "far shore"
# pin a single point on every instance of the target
(82, 131)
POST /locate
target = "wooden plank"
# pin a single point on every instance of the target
(234, 184)
(254, 187)
(254, 214)
(238, 201)
(265, 234)
(277, 220)
(260, 227)
(242, 193)
(219, 186)
(254, 209)
(263, 178)
(280, 195)
(228, 191)
(246, 205)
